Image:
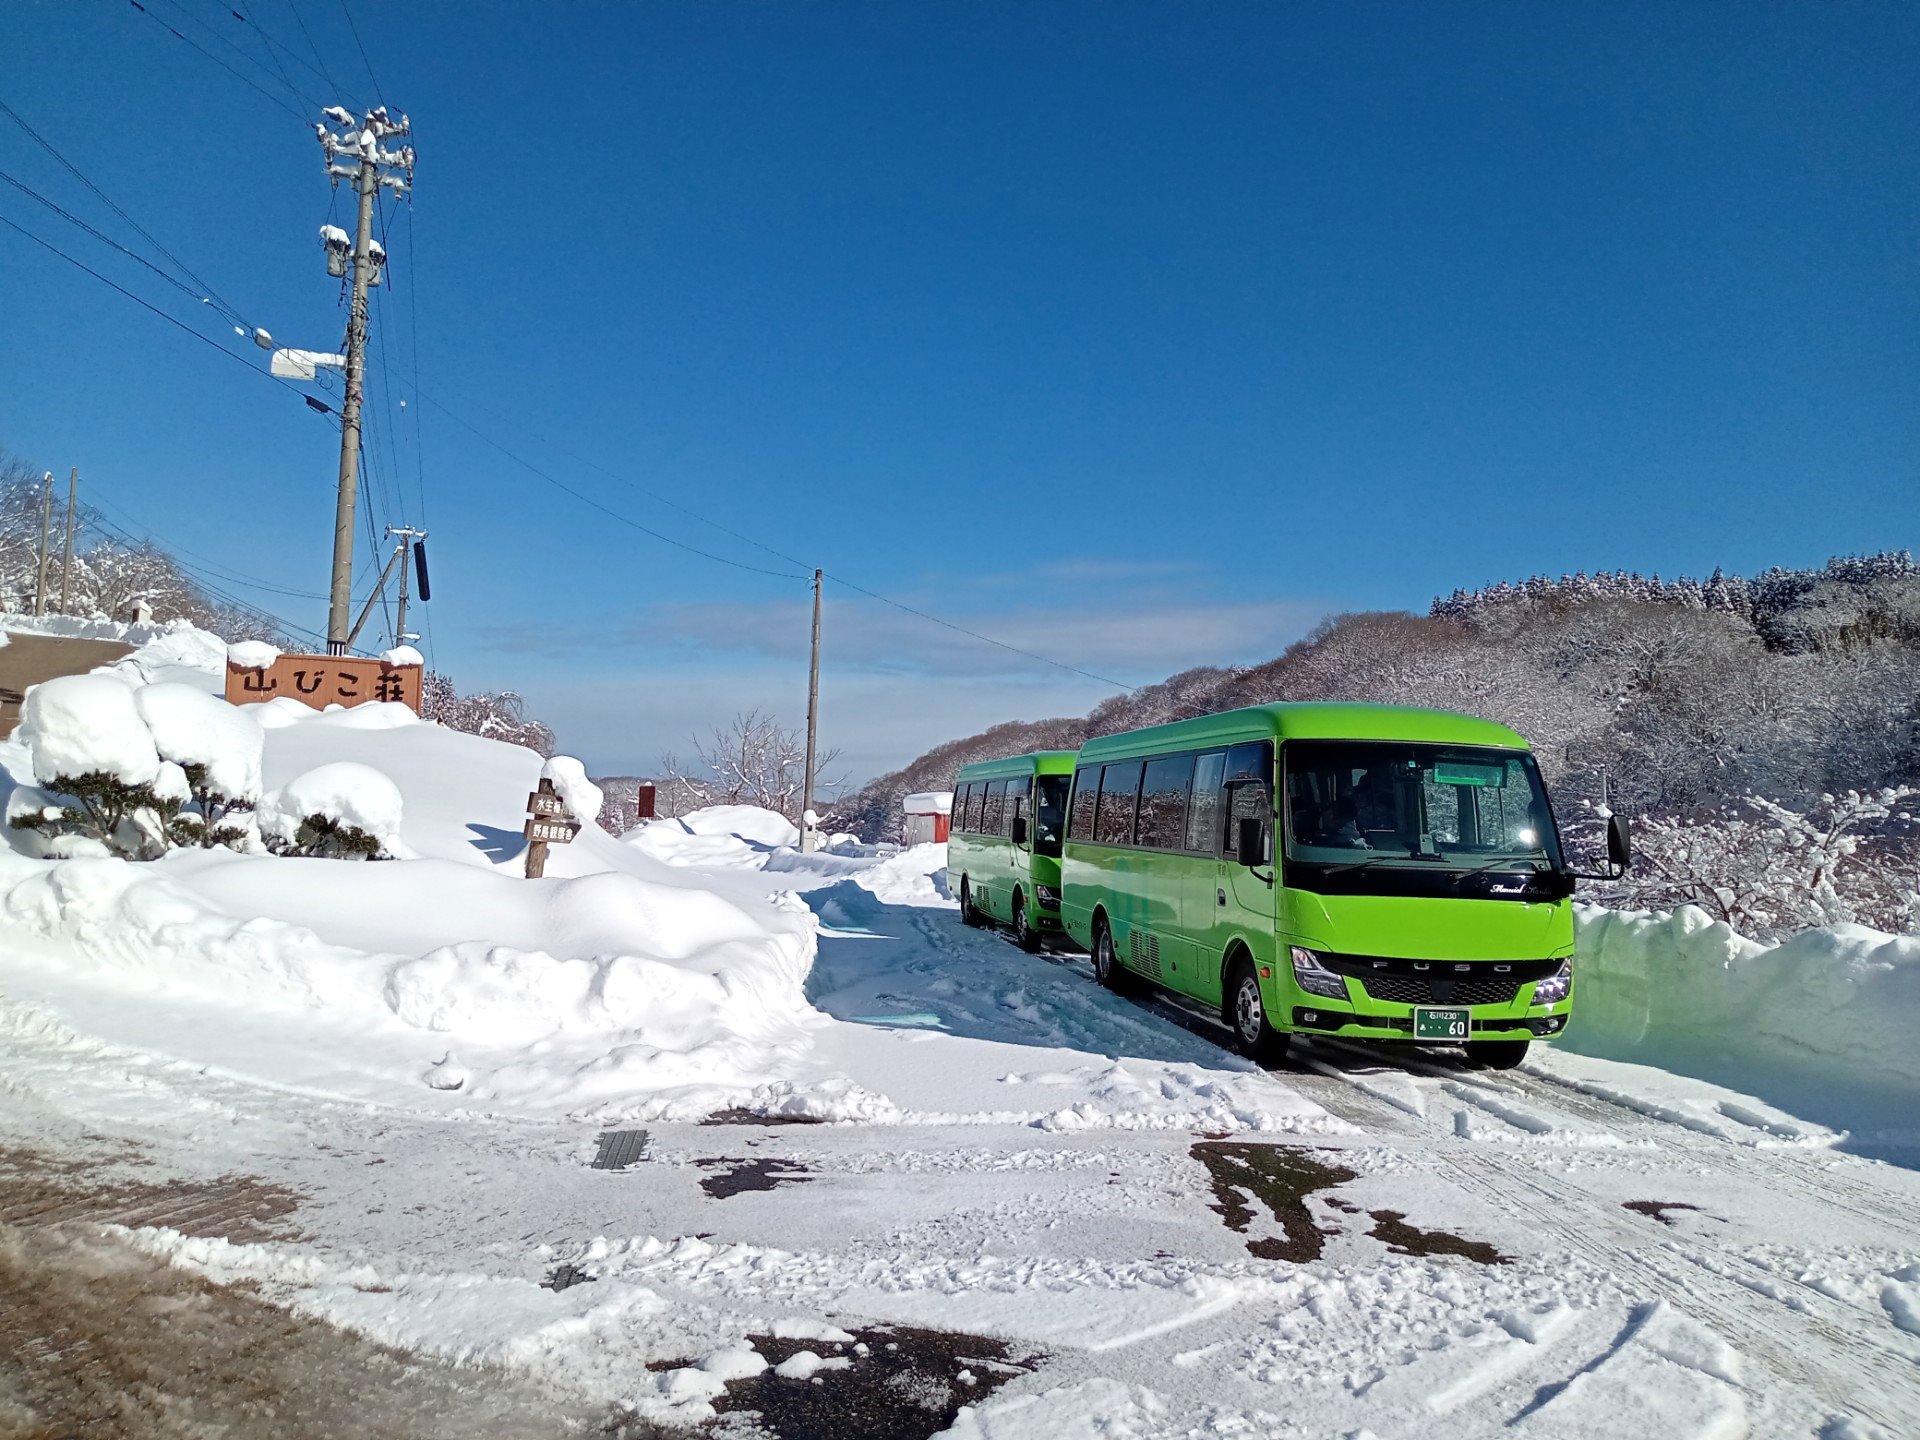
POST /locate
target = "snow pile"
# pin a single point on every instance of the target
(252, 655)
(84, 725)
(194, 728)
(720, 835)
(916, 876)
(583, 798)
(1838, 1007)
(403, 656)
(350, 795)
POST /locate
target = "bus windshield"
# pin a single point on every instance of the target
(1395, 804)
(1049, 812)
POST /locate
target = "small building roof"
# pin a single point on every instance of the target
(929, 802)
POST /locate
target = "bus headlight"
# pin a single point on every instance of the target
(1314, 978)
(1554, 988)
(1048, 897)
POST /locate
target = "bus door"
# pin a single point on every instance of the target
(1019, 853)
(1203, 876)
(1251, 900)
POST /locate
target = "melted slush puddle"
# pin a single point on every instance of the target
(1282, 1179)
(901, 1383)
(750, 1175)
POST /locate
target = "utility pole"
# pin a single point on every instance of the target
(355, 154)
(808, 836)
(66, 566)
(46, 528)
(407, 539)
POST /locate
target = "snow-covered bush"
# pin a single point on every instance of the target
(101, 778)
(1769, 871)
(217, 748)
(131, 772)
(342, 811)
(501, 715)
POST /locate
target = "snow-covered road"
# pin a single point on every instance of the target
(1131, 1231)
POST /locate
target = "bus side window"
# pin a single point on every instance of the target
(976, 797)
(1250, 790)
(996, 803)
(1016, 803)
(1203, 809)
(1163, 802)
(1119, 799)
(1086, 794)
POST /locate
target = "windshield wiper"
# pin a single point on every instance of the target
(1536, 869)
(1375, 859)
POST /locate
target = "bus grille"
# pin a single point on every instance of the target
(1440, 990)
(1146, 953)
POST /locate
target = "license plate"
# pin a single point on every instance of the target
(1437, 1024)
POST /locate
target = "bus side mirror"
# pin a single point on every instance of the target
(1250, 843)
(1019, 829)
(1619, 842)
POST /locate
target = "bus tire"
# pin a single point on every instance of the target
(1107, 968)
(1024, 935)
(1497, 1054)
(969, 912)
(1246, 1016)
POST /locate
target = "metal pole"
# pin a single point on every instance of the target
(66, 568)
(342, 596)
(406, 567)
(367, 609)
(46, 527)
(808, 838)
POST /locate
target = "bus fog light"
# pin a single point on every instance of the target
(1314, 978)
(1554, 988)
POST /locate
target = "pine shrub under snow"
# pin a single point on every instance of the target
(217, 749)
(340, 811)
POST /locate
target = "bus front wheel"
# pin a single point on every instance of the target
(1247, 1014)
(969, 913)
(1497, 1054)
(1106, 964)
(1024, 935)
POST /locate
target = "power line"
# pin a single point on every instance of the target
(144, 305)
(45, 144)
(338, 89)
(243, 79)
(378, 93)
(291, 88)
(246, 19)
(104, 238)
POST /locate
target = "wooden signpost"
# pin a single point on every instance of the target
(548, 823)
(323, 680)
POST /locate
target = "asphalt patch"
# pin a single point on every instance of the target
(1279, 1178)
(1404, 1239)
(743, 1175)
(1657, 1209)
(565, 1277)
(908, 1384)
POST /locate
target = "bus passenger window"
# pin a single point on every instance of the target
(1086, 794)
(1119, 794)
(1163, 802)
(996, 803)
(1203, 812)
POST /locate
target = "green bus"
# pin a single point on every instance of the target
(1003, 843)
(1419, 892)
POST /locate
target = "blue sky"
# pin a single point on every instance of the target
(1141, 336)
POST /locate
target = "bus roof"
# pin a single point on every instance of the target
(1040, 762)
(1318, 720)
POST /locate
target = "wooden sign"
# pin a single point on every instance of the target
(548, 823)
(323, 680)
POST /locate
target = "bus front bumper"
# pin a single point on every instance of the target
(1333, 1019)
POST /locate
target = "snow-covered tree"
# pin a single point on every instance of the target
(752, 760)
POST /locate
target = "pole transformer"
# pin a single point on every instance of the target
(354, 153)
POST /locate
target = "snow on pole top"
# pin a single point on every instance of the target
(402, 655)
(582, 796)
(252, 655)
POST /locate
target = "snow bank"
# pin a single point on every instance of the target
(719, 836)
(252, 655)
(1838, 1006)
